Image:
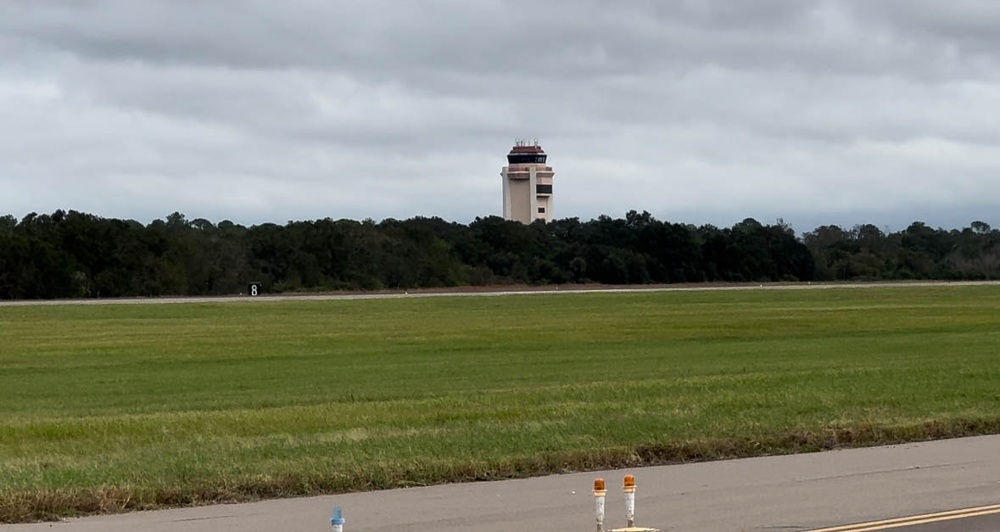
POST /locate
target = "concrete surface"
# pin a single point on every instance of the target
(785, 493)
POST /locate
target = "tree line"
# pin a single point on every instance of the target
(78, 255)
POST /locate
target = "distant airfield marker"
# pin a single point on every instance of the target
(255, 288)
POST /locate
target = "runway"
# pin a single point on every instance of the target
(487, 292)
(806, 492)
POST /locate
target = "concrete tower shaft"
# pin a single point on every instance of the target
(527, 184)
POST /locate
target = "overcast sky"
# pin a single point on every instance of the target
(700, 111)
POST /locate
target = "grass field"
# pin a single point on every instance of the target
(118, 407)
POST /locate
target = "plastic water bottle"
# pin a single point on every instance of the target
(337, 521)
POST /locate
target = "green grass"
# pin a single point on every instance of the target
(118, 407)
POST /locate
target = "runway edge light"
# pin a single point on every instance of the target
(337, 520)
(599, 494)
(629, 487)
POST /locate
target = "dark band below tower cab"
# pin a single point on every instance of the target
(526, 155)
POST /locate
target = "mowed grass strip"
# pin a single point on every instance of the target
(120, 407)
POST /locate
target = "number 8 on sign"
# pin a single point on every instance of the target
(254, 289)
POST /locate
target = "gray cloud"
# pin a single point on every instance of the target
(699, 111)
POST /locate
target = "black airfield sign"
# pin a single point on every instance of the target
(254, 288)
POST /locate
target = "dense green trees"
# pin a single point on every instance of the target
(72, 254)
(918, 252)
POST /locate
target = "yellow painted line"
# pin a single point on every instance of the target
(926, 521)
(914, 520)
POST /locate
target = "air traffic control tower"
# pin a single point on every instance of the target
(527, 184)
